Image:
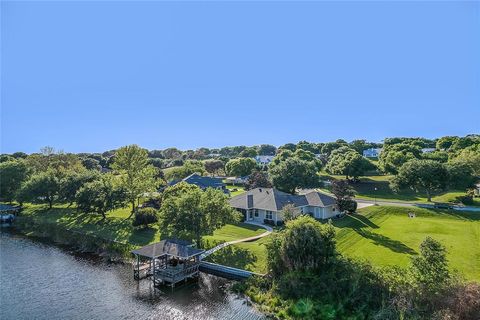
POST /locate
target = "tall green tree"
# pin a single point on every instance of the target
(43, 186)
(393, 156)
(422, 176)
(193, 213)
(188, 168)
(430, 268)
(72, 181)
(304, 245)
(258, 179)
(214, 166)
(12, 175)
(348, 162)
(101, 195)
(240, 166)
(136, 174)
(293, 173)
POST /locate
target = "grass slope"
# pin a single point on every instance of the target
(116, 228)
(365, 189)
(386, 236)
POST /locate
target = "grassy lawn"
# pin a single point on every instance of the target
(240, 190)
(116, 228)
(365, 189)
(386, 236)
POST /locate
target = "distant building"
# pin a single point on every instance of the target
(372, 152)
(264, 160)
(203, 182)
(428, 150)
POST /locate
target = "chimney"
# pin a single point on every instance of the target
(250, 201)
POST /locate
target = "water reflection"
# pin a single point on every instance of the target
(44, 282)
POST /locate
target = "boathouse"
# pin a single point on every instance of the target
(167, 262)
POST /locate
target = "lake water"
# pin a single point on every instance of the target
(39, 281)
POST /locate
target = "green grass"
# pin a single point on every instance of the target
(365, 189)
(116, 228)
(240, 190)
(386, 236)
(234, 232)
(258, 250)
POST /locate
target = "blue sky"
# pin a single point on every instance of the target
(92, 76)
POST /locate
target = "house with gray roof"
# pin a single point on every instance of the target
(265, 204)
(203, 182)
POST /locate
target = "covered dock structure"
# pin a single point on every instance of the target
(167, 262)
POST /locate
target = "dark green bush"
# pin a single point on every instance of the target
(145, 216)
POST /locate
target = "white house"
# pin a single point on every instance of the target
(263, 204)
(372, 152)
(428, 150)
(264, 160)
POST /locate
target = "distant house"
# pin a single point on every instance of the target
(236, 180)
(265, 204)
(264, 160)
(372, 152)
(203, 182)
(428, 150)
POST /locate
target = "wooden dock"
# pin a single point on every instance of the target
(225, 271)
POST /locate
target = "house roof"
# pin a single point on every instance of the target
(202, 182)
(173, 247)
(274, 200)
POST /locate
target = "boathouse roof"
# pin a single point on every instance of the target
(172, 247)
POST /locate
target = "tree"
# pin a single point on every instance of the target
(288, 146)
(249, 152)
(460, 175)
(193, 213)
(72, 181)
(137, 175)
(188, 168)
(214, 166)
(101, 195)
(304, 245)
(12, 175)
(240, 167)
(266, 150)
(293, 173)
(421, 175)
(360, 145)
(430, 268)
(348, 162)
(258, 179)
(470, 156)
(330, 146)
(41, 186)
(145, 216)
(289, 212)
(91, 164)
(172, 153)
(444, 143)
(21, 155)
(308, 146)
(393, 156)
(343, 193)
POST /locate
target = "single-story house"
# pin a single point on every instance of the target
(203, 182)
(372, 152)
(265, 204)
(264, 160)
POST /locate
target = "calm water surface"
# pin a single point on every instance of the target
(38, 281)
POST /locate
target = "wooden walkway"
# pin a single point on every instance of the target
(226, 272)
(223, 245)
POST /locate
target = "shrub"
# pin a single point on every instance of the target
(466, 199)
(347, 205)
(145, 216)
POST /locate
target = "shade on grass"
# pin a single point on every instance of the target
(387, 236)
(117, 228)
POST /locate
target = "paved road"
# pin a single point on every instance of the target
(365, 203)
(223, 245)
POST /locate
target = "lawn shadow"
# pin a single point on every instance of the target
(233, 256)
(381, 240)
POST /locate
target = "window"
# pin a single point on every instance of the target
(333, 209)
(256, 212)
(269, 215)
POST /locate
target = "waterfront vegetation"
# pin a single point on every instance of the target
(116, 227)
